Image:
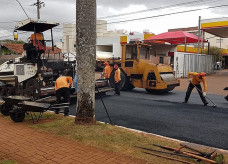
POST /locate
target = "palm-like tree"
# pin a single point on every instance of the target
(86, 58)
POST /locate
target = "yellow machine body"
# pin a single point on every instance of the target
(141, 72)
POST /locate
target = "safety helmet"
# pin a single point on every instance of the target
(106, 63)
(201, 75)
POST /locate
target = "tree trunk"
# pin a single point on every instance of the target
(86, 59)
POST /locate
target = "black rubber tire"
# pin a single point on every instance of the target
(124, 83)
(17, 116)
(154, 91)
(4, 109)
(33, 89)
(168, 89)
(10, 91)
(130, 86)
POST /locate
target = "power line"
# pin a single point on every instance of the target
(159, 8)
(156, 16)
(23, 9)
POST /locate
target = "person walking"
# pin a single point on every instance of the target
(62, 88)
(117, 79)
(197, 78)
(218, 64)
(107, 70)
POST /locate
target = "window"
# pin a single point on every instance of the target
(219, 40)
(131, 52)
(144, 52)
(161, 60)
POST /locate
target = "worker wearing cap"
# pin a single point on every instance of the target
(117, 79)
(107, 70)
(62, 88)
(197, 78)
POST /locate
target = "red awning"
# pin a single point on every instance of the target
(177, 37)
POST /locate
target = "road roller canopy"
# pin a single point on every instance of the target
(35, 25)
(217, 26)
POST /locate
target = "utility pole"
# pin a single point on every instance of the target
(38, 4)
(199, 35)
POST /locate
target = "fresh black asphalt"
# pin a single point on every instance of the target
(166, 115)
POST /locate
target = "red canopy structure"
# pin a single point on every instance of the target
(177, 37)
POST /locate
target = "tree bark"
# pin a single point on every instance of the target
(86, 59)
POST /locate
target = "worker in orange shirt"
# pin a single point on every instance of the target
(197, 78)
(39, 37)
(117, 79)
(107, 70)
(62, 88)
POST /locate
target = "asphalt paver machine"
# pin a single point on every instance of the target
(31, 87)
(34, 73)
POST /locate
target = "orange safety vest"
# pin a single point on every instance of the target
(117, 75)
(39, 37)
(63, 82)
(107, 71)
(196, 80)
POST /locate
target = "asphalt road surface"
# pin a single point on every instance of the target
(166, 115)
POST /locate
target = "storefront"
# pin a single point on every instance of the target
(217, 27)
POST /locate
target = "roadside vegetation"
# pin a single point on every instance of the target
(6, 161)
(107, 137)
(215, 51)
(13, 41)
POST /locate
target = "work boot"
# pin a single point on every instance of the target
(66, 111)
(205, 104)
(57, 111)
(226, 98)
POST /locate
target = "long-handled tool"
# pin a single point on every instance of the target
(214, 105)
(198, 157)
(169, 158)
(163, 152)
(104, 105)
(204, 154)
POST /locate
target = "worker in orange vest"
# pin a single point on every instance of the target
(107, 70)
(62, 88)
(39, 37)
(117, 79)
(197, 78)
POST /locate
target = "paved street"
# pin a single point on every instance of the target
(166, 115)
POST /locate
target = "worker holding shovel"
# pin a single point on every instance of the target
(197, 78)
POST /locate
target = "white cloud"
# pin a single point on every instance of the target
(65, 11)
(4, 34)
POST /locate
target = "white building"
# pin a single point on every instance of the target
(69, 36)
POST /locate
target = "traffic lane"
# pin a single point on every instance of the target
(178, 96)
(165, 115)
(187, 122)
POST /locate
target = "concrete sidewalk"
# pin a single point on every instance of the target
(25, 145)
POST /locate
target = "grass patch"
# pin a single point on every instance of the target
(106, 137)
(6, 161)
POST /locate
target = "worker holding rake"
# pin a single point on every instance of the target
(197, 78)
